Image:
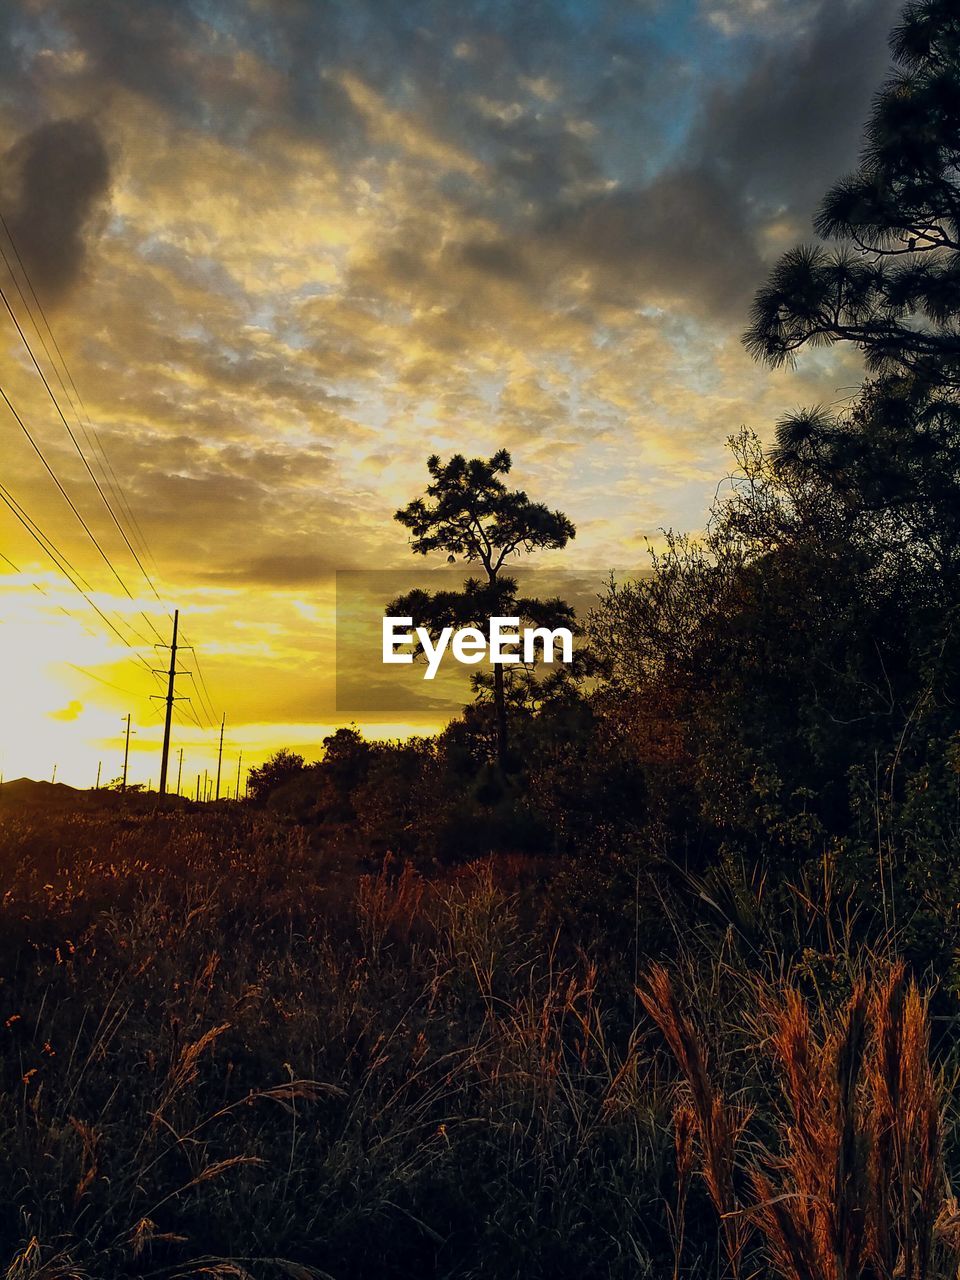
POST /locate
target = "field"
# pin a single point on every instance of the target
(232, 1048)
(219, 1044)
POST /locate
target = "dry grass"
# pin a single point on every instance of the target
(717, 1124)
(228, 1053)
(222, 1056)
(852, 1182)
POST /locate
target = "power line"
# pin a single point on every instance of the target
(72, 575)
(206, 702)
(114, 483)
(73, 507)
(200, 685)
(39, 535)
(193, 714)
(203, 685)
(59, 559)
(76, 391)
(100, 680)
(36, 585)
(69, 430)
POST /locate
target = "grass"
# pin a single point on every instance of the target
(844, 1175)
(227, 1051)
(226, 1054)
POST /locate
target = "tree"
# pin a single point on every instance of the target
(469, 513)
(346, 761)
(273, 773)
(893, 285)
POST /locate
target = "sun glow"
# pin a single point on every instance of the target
(69, 715)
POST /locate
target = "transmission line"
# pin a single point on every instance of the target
(92, 675)
(36, 586)
(73, 507)
(73, 576)
(73, 438)
(206, 702)
(200, 685)
(105, 463)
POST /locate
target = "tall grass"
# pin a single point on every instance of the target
(224, 1055)
(846, 1178)
(227, 1052)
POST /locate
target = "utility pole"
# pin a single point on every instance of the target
(223, 721)
(99, 767)
(239, 762)
(54, 778)
(205, 776)
(198, 786)
(179, 770)
(126, 756)
(170, 700)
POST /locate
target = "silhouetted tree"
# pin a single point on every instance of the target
(469, 513)
(273, 773)
(893, 288)
(346, 759)
(893, 285)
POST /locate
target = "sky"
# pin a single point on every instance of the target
(290, 249)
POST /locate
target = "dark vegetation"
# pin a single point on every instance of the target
(663, 983)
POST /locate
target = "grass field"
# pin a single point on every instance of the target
(227, 1052)
(233, 1049)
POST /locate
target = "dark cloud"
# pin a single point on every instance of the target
(696, 232)
(681, 239)
(56, 178)
(762, 150)
(540, 158)
(793, 126)
(153, 48)
(567, 109)
(502, 261)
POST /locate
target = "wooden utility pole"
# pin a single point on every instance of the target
(179, 770)
(239, 762)
(170, 700)
(99, 767)
(126, 756)
(223, 721)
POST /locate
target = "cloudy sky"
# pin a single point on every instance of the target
(289, 248)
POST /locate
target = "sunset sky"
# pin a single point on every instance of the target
(289, 249)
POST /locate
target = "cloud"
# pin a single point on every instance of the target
(766, 17)
(680, 241)
(72, 711)
(330, 239)
(782, 135)
(56, 178)
(762, 151)
(284, 571)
